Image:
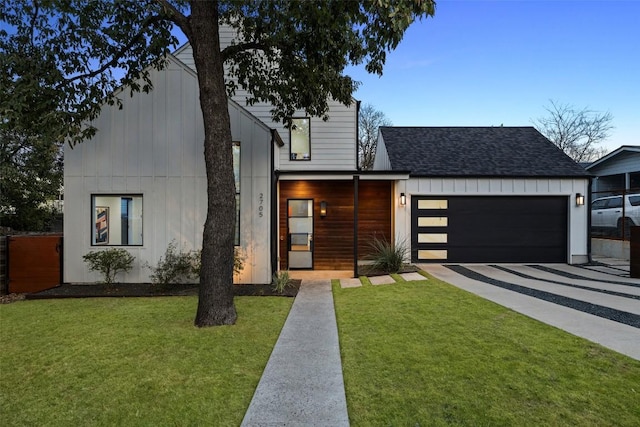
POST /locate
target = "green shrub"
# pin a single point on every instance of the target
(109, 262)
(281, 281)
(238, 260)
(386, 256)
(184, 267)
(176, 267)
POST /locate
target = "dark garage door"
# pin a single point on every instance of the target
(489, 229)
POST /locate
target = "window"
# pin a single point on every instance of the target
(116, 220)
(614, 203)
(300, 139)
(236, 174)
(599, 204)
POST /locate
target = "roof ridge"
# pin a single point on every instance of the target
(458, 127)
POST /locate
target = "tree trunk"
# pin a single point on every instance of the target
(215, 302)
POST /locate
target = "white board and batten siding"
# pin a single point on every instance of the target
(333, 142)
(381, 160)
(153, 147)
(566, 187)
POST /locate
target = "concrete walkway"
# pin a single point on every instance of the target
(302, 384)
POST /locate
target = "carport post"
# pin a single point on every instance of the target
(589, 197)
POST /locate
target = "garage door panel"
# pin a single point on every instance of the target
(504, 254)
(492, 229)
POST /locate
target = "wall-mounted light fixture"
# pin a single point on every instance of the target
(403, 199)
(579, 199)
(323, 209)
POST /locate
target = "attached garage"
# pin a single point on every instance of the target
(481, 229)
(485, 195)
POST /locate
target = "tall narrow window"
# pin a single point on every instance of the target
(236, 174)
(116, 220)
(300, 139)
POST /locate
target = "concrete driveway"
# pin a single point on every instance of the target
(599, 303)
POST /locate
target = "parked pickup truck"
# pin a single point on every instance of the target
(607, 214)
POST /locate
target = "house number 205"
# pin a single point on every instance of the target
(261, 205)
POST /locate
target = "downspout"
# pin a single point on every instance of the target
(589, 196)
(355, 194)
(356, 180)
(358, 135)
(275, 139)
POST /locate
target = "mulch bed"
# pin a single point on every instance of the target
(151, 290)
(145, 290)
(367, 270)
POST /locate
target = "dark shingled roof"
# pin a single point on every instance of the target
(476, 151)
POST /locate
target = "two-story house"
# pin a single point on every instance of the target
(477, 194)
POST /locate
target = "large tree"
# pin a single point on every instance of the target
(369, 121)
(291, 54)
(30, 177)
(576, 132)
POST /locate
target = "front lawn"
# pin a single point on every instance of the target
(426, 353)
(140, 361)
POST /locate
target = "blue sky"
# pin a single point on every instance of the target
(484, 63)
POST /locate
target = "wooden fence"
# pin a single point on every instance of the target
(3, 265)
(35, 262)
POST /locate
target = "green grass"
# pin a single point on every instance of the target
(133, 362)
(428, 354)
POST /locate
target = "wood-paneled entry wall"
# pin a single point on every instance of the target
(333, 234)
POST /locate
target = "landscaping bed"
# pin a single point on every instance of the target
(151, 290)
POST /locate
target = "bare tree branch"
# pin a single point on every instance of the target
(369, 121)
(576, 132)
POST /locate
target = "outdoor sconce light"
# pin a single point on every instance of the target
(403, 199)
(579, 199)
(323, 209)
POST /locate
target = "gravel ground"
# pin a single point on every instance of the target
(597, 310)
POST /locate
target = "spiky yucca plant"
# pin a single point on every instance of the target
(386, 256)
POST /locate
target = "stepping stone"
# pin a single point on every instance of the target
(350, 283)
(381, 280)
(412, 277)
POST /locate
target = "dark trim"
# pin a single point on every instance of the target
(356, 180)
(342, 172)
(291, 142)
(276, 139)
(313, 230)
(92, 224)
(358, 136)
(237, 225)
(588, 206)
(586, 176)
(274, 237)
